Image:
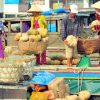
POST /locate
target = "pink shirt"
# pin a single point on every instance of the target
(36, 25)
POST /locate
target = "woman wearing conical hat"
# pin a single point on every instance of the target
(38, 21)
(36, 11)
(97, 15)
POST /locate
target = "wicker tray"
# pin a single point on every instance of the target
(32, 47)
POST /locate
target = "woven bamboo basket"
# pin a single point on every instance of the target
(26, 61)
(27, 66)
(10, 73)
(88, 46)
(32, 47)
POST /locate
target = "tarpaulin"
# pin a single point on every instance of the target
(12, 1)
(93, 86)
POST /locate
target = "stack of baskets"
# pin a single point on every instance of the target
(27, 61)
(10, 72)
(32, 47)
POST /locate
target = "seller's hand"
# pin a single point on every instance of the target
(65, 42)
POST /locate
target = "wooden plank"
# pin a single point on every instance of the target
(64, 67)
(13, 92)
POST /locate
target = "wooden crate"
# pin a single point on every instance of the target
(13, 92)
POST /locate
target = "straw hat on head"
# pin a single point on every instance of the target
(34, 8)
(96, 5)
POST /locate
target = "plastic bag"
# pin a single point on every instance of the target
(47, 75)
(42, 78)
(38, 96)
(84, 61)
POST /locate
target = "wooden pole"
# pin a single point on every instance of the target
(58, 3)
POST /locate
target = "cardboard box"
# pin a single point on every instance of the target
(51, 94)
(59, 86)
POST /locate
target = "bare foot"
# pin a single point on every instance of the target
(69, 64)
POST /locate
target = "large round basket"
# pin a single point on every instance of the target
(26, 61)
(32, 47)
(88, 46)
(10, 73)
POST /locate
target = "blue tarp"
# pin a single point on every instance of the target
(46, 13)
(42, 78)
(12, 1)
(61, 10)
(57, 11)
(93, 86)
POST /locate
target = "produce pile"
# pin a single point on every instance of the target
(94, 23)
(10, 72)
(71, 40)
(33, 41)
(82, 95)
(33, 35)
(59, 60)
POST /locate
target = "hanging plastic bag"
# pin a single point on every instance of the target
(84, 61)
(38, 96)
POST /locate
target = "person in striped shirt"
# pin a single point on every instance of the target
(70, 25)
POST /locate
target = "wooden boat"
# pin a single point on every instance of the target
(77, 78)
(88, 73)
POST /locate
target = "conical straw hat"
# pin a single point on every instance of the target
(96, 5)
(34, 9)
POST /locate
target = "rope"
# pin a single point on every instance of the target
(78, 72)
(80, 79)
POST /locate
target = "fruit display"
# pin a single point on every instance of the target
(35, 35)
(17, 37)
(84, 95)
(59, 60)
(71, 40)
(94, 23)
(34, 41)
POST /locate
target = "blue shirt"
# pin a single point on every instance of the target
(68, 27)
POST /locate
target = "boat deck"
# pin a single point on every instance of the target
(86, 73)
